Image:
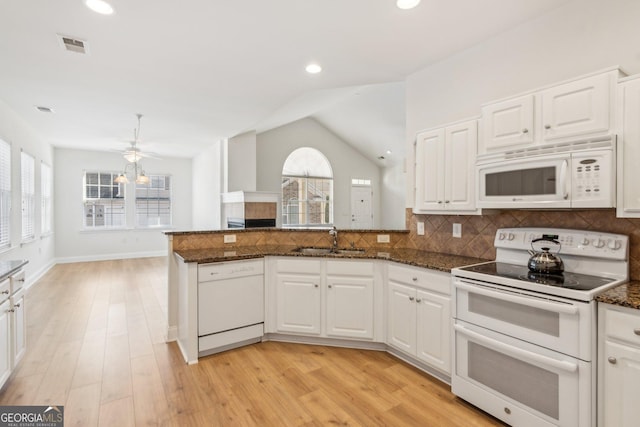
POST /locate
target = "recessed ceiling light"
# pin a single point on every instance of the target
(99, 6)
(388, 151)
(407, 4)
(313, 68)
(44, 109)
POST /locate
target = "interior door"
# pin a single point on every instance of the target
(361, 210)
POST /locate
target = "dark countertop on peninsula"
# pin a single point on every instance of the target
(286, 230)
(9, 267)
(431, 260)
(625, 295)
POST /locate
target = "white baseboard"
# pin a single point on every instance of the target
(37, 275)
(110, 257)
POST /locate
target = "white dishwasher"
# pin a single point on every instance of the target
(230, 305)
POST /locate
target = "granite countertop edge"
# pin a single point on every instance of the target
(625, 295)
(413, 257)
(7, 268)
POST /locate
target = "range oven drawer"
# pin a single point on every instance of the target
(556, 323)
(521, 383)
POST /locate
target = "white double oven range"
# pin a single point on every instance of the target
(525, 342)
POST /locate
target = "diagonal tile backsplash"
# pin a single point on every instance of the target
(478, 231)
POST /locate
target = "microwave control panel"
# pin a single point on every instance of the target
(591, 175)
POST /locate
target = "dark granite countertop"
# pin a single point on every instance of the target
(9, 267)
(625, 295)
(432, 260)
(286, 230)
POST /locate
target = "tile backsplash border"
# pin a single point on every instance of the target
(478, 231)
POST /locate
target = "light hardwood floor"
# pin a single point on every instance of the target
(96, 345)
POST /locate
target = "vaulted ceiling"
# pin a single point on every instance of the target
(201, 70)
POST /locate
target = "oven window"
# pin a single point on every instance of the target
(523, 182)
(528, 384)
(521, 315)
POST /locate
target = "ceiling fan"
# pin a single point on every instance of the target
(133, 154)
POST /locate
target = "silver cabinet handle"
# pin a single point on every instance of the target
(446, 201)
(439, 202)
(525, 130)
(612, 360)
(5, 292)
(547, 127)
(636, 331)
(411, 298)
(20, 280)
(17, 305)
(11, 310)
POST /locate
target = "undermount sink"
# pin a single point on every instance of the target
(329, 251)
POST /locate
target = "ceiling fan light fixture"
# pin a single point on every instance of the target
(142, 178)
(407, 4)
(99, 6)
(121, 179)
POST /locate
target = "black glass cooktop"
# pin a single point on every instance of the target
(567, 280)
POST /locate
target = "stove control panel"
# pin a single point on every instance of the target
(575, 242)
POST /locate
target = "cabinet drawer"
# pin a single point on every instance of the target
(225, 270)
(350, 268)
(17, 281)
(623, 325)
(432, 280)
(300, 266)
(5, 289)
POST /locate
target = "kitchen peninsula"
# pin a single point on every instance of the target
(358, 287)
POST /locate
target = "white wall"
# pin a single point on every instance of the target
(73, 244)
(40, 252)
(240, 162)
(274, 146)
(207, 187)
(578, 38)
(393, 183)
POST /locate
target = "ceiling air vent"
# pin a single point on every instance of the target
(44, 109)
(72, 44)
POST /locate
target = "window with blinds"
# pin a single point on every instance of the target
(28, 188)
(5, 194)
(153, 202)
(104, 201)
(46, 184)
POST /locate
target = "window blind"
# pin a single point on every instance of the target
(46, 183)
(27, 177)
(5, 194)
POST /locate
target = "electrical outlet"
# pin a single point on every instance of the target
(421, 229)
(457, 230)
(383, 238)
(229, 238)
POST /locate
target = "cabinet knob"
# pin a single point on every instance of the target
(329, 286)
(11, 310)
(636, 331)
(17, 305)
(315, 286)
(5, 292)
(547, 127)
(612, 360)
(411, 298)
(418, 300)
(525, 130)
(20, 280)
(507, 411)
(446, 201)
(415, 279)
(439, 202)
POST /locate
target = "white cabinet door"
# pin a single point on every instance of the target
(621, 385)
(507, 124)
(350, 307)
(629, 149)
(298, 304)
(401, 320)
(460, 161)
(445, 169)
(19, 330)
(433, 329)
(5, 342)
(577, 108)
(430, 170)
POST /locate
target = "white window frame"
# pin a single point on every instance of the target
(100, 213)
(46, 199)
(28, 196)
(5, 195)
(153, 202)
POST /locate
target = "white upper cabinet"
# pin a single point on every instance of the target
(579, 108)
(629, 148)
(507, 124)
(445, 169)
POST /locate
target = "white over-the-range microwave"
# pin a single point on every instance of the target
(572, 175)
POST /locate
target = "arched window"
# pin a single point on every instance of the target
(307, 189)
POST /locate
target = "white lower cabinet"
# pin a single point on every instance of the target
(18, 328)
(418, 314)
(328, 298)
(5, 342)
(13, 333)
(618, 366)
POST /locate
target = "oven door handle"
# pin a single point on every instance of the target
(555, 307)
(517, 352)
